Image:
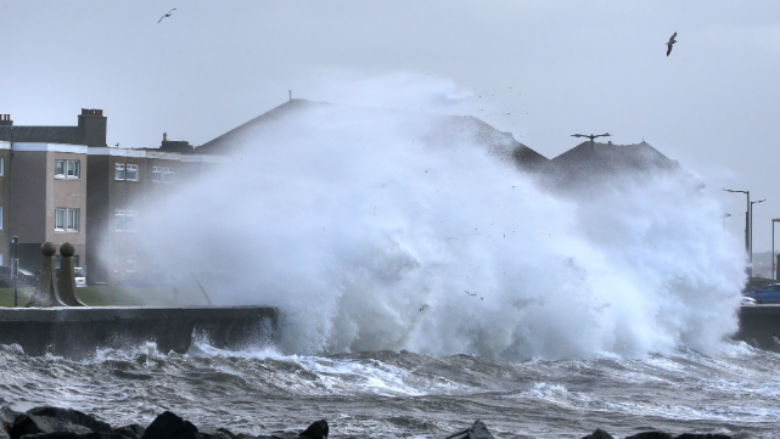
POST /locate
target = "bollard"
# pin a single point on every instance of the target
(45, 294)
(66, 284)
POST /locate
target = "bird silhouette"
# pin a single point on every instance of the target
(166, 15)
(670, 43)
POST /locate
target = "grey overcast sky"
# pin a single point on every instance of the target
(542, 69)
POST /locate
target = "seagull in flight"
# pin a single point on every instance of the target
(670, 43)
(166, 15)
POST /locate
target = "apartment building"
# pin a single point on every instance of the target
(44, 185)
(64, 184)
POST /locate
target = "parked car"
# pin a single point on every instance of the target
(767, 294)
(25, 278)
(81, 276)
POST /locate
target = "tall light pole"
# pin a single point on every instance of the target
(591, 137)
(774, 258)
(750, 252)
(747, 225)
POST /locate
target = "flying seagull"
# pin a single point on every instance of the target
(670, 43)
(166, 15)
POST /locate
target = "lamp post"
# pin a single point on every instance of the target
(747, 225)
(15, 267)
(591, 137)
(750, 252)
(774, 258)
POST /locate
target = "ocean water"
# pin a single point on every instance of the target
(393, 394)
(425, 282)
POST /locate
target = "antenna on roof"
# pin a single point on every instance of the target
(290, 92)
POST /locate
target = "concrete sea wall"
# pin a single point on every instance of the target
(79, 331)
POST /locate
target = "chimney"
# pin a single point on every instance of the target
(92, 127)
(165, 137)
(5, 120)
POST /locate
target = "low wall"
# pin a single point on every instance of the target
(759, 325)
(79, 331)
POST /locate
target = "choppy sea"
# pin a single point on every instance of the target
(390, 394)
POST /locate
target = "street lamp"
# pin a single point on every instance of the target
(747, 222)
(751, 233)
(15, 267)
(591, 137)
(774, 258)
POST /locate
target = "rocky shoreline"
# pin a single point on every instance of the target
(47, 422)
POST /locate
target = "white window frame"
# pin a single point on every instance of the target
(2, 217)
(67, 169)
(132, 172)
(119, 172)
(130, 264)
(67, 219)
(131, 220)
(2, 166)
(167, 175)
(120, 223)
(157, 173)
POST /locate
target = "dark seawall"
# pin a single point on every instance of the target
(759, 325)
(79, 331)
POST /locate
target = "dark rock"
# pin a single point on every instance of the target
(71, 435)
(219, 433)
(651, 435)
(133, 431)
(170, 426)
(598, 434)
(478, 430)
(7, 417)
(703, 436)
(317, 430)
(48, 419)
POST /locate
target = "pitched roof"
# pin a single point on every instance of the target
(586, 163)
(42, 134)
(228, 141)
(443, 129)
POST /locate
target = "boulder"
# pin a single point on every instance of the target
(317, 430)
(7, 418)
(703, 436)
(651, 435)
(132, 431)
(478, 430)
(48, 419)
(70, 435)
(598, 434)
(170, 426)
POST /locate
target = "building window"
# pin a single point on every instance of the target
(119, 220)
(132, 172)
(119, 171)
(66, 219)
(160, 173)
(125, 220)
(130, 265)
(67, 169)
(131, 220)
(2, 166)
(2, 215)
